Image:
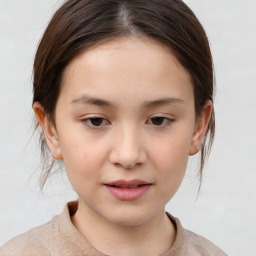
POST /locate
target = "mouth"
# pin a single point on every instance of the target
(128, 190)
(123, 186)
(128, 184)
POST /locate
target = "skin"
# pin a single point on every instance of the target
(140, 80)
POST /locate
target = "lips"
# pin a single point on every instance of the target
(128, 190)
(127, 184)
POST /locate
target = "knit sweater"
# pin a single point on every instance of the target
(59, 237)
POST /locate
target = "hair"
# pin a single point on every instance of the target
(79, 24)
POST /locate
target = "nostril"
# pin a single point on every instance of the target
(127, 152)
(128, 166)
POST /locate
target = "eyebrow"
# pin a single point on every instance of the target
(147, 104)
(91, 101)
(162, 102)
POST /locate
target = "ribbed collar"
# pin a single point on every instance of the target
(67, 240)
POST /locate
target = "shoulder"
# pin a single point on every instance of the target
(189, 243)
(34, 242)
(201, 245)
(56, 237)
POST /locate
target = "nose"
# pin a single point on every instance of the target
(128, 149)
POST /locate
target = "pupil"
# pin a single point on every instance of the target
(96, 121)
(157, 120)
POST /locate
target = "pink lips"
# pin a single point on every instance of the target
(128, 190)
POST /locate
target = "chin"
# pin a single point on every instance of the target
(128, 217)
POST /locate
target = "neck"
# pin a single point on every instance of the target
(153, 237)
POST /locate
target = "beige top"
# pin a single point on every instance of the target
(59, 237)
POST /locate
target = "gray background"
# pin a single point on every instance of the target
(225, 211)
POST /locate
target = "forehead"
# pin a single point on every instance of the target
(130, 64)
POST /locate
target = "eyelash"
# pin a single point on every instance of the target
(88, 121)
(167, 121)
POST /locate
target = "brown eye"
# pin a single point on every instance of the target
(96, 121)
(159, 121)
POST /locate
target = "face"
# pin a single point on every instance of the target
(125, 126)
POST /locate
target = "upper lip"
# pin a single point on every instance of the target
(126, 183)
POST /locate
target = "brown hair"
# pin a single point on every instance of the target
(80, 24)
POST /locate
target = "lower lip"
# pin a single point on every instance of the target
(128, 194)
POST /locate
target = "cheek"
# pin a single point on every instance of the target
(82, 159)
(172, 150)
(171, 173)
(170, 159)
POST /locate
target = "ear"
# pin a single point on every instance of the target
(200, 127)
(49, 129)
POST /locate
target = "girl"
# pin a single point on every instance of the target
(123, 91)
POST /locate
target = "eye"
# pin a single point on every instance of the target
(160, 121)
(96, 121)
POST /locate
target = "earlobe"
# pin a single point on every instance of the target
(200, 128)
(50, 132)
(193, 150)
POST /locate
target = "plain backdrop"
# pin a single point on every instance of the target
(225, 211)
